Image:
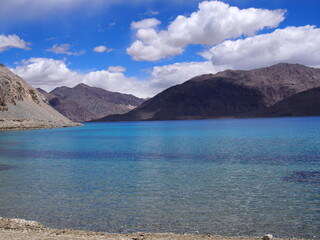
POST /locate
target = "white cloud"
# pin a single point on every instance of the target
(214, 22)
(12, 41)
(102, 49)
(114, 81)
(116, 69)
(49, 73)
(64, 49)
(46, 73)
(111, 25)
(290, 45)
(146, 23)
(151, 13)
(170, 75)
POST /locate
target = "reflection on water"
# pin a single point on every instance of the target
(6, 167)
(304, 177)
(228, 177)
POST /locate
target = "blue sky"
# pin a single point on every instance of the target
(142, 47)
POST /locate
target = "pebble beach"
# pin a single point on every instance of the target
(19, 229)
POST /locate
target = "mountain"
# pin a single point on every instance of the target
(83, 103)
(23, 107)
(230, 93)
(302, 104)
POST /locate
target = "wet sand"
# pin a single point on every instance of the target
(19, 229)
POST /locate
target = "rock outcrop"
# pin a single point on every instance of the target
(23, 107)
(231, 93)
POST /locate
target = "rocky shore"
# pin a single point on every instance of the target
(19, 229)
(15, 125)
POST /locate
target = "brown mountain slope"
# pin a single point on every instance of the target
(21, 106)
(277, 82)
(302, 104)
(83, 103)
(226, 94)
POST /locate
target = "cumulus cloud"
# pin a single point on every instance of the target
(12, 41)
(115, 81)
(214, 22)
(290, 45)
(102, 49)
(64, 49)
(166, 76)
(48, 74)
(116, 69)
(146, 23)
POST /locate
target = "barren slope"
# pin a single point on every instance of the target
(226, 94)
(23, 107)
(83, 103)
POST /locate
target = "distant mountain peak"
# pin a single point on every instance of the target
(83, 103)
(82, 85)
(202, 77)
(282, 64)
(229, 93)
(40, 90)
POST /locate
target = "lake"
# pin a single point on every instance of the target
(241, 177)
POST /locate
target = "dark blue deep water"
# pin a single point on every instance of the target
(229, 177)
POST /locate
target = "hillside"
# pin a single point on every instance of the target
(226, 94)
(302, 104)
(23, 107)
(83, 103)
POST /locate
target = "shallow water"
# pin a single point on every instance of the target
(228, 177)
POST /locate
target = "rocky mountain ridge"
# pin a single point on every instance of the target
(277, 82)
(84, 103)
(231, 93)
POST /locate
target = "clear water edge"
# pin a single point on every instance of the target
(225, 177)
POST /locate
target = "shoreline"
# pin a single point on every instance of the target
(20, 229)
(36, 127)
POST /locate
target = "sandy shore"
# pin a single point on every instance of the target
(19, 229)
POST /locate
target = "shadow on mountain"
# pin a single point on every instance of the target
(279, 90)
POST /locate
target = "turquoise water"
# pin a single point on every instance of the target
(242, 177)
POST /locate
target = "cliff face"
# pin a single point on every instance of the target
(23, 107)
(83, 103)
(229, 93)
(13, 89)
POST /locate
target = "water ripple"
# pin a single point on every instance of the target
(4, 167)
(304, 177)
